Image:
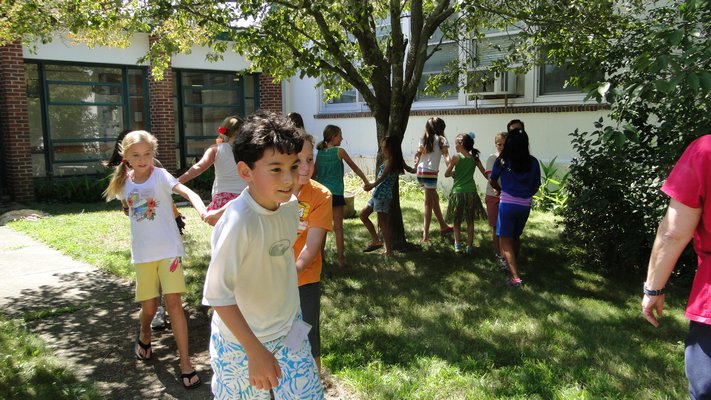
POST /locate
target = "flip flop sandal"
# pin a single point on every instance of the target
(189, 378)
(146, 350)
(372, 247)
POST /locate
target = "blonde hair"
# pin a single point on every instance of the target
(501, 135)
(118, 179)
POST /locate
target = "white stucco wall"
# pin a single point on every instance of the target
(63, 49)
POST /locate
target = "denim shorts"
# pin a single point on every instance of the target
(379, 205)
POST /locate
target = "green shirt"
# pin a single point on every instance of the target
(464, 175)
(329, 170)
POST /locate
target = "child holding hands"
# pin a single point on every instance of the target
(464, 202)
(383, 195)
(227, 185)
(156, 246)
(520, 176)
(493, 197)
(259, 342)
(329, 172)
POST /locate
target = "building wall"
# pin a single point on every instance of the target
(548, 126)
(14, 119)
(17, 155)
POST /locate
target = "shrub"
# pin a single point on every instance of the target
(658, 86)
(553, 193)
(80, 188)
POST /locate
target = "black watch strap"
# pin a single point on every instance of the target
(650, 292)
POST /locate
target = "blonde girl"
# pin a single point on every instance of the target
(492, 199)
(228, 184)
(156, 246)
(433, 145)
(329, 172)
(464, 201)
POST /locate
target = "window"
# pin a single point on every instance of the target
(481, 80)
(553, 80)
(76, 112)
(448, 52)
(204, 100)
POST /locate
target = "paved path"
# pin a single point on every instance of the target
(89, 319)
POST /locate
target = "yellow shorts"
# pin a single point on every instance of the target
(154, 275)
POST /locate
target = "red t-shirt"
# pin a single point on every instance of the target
(689, 183)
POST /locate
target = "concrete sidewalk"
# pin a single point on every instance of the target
(91, 321)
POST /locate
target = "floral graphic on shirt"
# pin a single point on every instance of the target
(143, 205)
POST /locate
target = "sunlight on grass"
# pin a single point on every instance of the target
(432, 324)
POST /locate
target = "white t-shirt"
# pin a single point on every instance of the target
(154, 234)
(490, 166)
(226, 177)
(430, 161)
(253, 266)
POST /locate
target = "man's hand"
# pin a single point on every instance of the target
(650, 304)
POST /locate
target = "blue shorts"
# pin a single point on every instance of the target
(379, 205)
(299, 379)
(698, 360)
(512, 219)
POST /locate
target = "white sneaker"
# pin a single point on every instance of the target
(158, 323)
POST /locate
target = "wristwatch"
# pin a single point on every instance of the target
(650, 292)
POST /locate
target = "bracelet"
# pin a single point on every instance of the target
(650, 292)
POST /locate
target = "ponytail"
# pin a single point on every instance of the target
(329, 132)
(118, 181)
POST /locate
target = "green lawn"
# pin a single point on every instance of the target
(431, 324)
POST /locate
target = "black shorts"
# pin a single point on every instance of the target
(310, 296)
(338, 200)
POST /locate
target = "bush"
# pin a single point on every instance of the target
(658, 86)
(80, 188)
(553, 193)
(615, 204)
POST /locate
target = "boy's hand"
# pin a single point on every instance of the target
(367, 187)
(264, 371)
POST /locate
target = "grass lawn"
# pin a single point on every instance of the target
(432, 324)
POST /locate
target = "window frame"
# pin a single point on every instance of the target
(180, 104)
(45, 103)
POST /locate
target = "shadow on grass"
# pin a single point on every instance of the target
(91, 325)
(567, 327)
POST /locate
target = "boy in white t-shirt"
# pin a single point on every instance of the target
(258, 342)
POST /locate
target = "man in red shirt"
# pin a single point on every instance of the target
(688, 215)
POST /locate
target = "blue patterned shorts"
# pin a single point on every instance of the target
(299, 379)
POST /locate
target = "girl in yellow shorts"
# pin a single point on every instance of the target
(156, 246)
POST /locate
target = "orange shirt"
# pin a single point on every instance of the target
(315, 211)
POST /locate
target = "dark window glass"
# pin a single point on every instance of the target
(553, 80)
